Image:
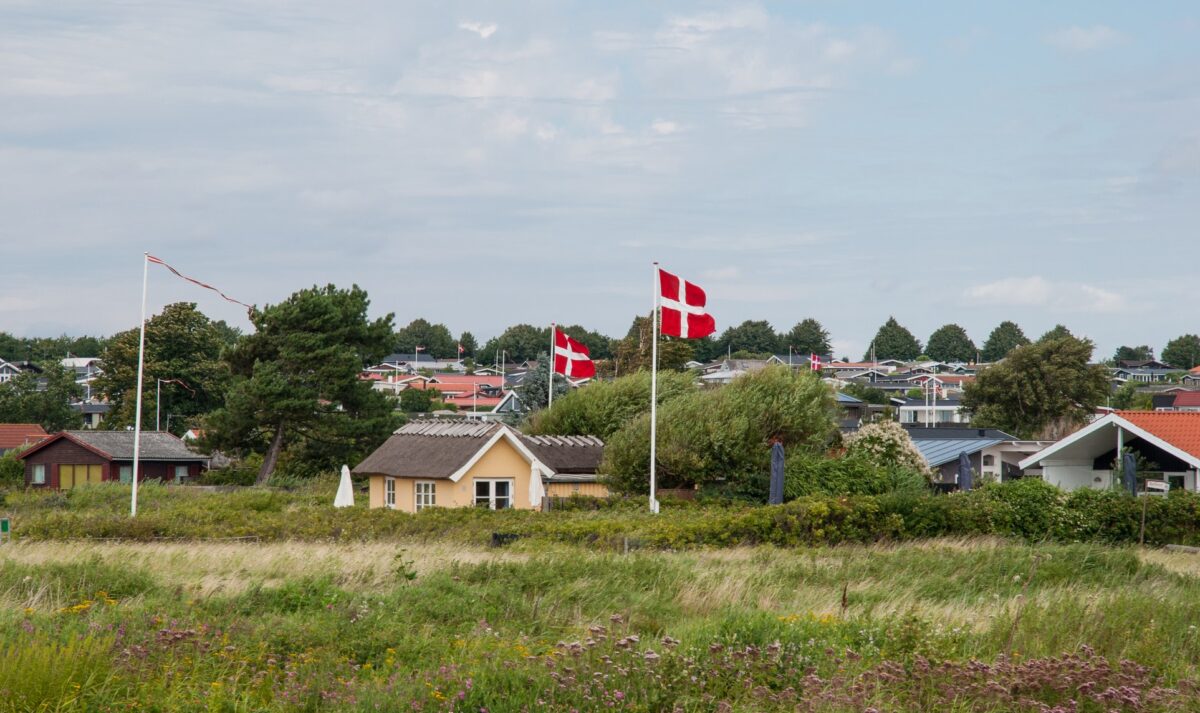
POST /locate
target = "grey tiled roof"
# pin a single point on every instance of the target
(155, 445)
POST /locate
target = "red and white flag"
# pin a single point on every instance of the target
(194, 281)
(460, 350)
(571, 358)
(814, 362)
(420, 349)
(682, 306)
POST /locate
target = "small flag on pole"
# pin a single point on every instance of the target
(682, 305)
(814, 362)
(194, 281)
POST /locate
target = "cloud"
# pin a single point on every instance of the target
(1056, 296)
(484, 31)
(662, 127)
(1085, 39)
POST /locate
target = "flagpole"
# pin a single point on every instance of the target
(654, 392)
(550, 396)
(137, 418)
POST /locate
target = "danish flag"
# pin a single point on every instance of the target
(682, 305)
(571, 358)
(814, 362)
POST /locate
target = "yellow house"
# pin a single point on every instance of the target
(469, 464)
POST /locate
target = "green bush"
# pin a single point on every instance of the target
(852, 474)
(12, 470)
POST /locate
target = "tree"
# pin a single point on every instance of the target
(1128, 397)
(183, 346)
(893, 341)
(1043, 390)
(753, 336)
(725, 434)
(417, 400)
(1183, 352)
(469, 345)
(1003, 339)
(297, 382)
(603, 407)
(950, 343)
(518, 343)
(45, 400)
(1126, 353)
(633, 353)
(534, 390)
(807, 337)
(1057, 332)
(436, 339)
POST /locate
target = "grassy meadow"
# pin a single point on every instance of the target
(1005, 599)
(955, 625)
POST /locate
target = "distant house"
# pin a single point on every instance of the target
(930, 412)
(993, 453)
(9, 370)
(1143, 374)
(20, 435)
(93, 412)
(72, 458)
(1192, 378)
(86, 369)
(1169, 440)
(1176, 401)
(478, 464)
(1143, 364)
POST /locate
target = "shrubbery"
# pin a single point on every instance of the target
(1027, 509)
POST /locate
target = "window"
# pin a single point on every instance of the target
(389, 493)
(181, 473)
(72, 476)
(126, 473)
(426, 495)
(39, 474)
(493, 494)
(989, 460)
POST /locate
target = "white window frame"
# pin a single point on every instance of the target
(427, 499)
(491, 496)
(389, 493)
(38, 475)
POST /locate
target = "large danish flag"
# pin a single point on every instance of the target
(682, 305)
(571, 358)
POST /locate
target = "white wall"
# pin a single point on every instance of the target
(1072, 475)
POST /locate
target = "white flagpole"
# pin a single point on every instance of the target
(137, 418)
(654, 392)
(550, 396)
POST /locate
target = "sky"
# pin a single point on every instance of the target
(484, 164)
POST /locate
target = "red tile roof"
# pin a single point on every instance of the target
(15, 435)
(1179, 428)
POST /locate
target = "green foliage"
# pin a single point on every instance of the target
(44, 351)
(754, 336)
(27, 399)
(603, 407)
(1183, 352)
(724, 433)
(1126, 353)
(868, 393)
(634, 352)
(1129, 397)
(297, 387)
(807, 337)
(852, 474)
(12, 470)
(436, 339)
(534, 390)
(1046, 390)
(1058, 331)
(1003, 339)
(893, 341)
(469, 345)
(417, 400)
(182, 344)
(950, 343)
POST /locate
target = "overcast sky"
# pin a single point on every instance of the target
(484, 165)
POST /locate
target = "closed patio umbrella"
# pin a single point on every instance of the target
(776, 495)
(965, 476)
(345, 491)
(1129, 473)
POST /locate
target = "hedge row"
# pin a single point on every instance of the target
(1028, 509)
